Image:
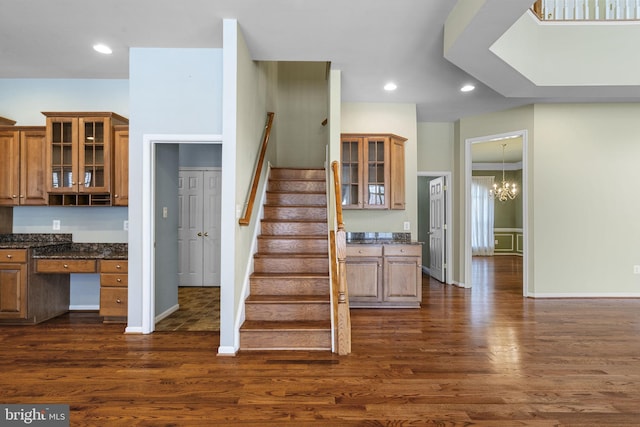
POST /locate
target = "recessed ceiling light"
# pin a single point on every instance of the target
(102, 48)
(390, 86)
(467, 88)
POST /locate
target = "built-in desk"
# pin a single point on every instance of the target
(35, 276)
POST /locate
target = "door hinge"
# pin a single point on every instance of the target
(444, 227)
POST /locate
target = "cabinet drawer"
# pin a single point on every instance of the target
(113, 302)
(114, 266)
(13, 255)
(113, 279)
(66, 266)
(403, 250)
(364, 250)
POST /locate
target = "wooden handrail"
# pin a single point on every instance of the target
(246, 219)
(343, 335)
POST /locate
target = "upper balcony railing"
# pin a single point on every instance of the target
(587, 10)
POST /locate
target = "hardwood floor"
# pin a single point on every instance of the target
(484, 357)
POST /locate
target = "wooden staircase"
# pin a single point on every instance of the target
(289, 303)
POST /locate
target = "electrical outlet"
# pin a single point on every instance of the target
(125, 225)
(407, 226)
(56, 224)
(165, 212)
(636, 269)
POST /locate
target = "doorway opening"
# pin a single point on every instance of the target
(508, 236)
(160, 233)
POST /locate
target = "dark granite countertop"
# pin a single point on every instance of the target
(379, 238)
(60, 246)
(82, 251)
(32, 240)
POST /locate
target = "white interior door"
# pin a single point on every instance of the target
(437, 229)
(199, 227)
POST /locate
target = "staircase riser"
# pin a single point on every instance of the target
(300, 199)
(311, 186)
(290, 246)
(297, 213)
(294, 228)
(289, 286)
(290, 265)
(289, 340)
(289, 311)
(277, 173)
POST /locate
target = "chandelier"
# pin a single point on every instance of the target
(507, 191)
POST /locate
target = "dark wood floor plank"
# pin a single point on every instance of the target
(484, 356)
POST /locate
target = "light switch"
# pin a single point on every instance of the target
(165, 212)
(56, 224)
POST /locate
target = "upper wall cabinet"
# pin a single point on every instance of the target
(6, 122)
(79, 157)
(372, 171)
(22, 165)
(121, 165)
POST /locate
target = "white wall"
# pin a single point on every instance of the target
(586, 199)
(399, 119)
(435, 146)
(302, 106)
(578, 246)
(172, 91)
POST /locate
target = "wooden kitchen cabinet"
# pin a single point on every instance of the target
(403, 273)
(388, 275)
(372, 175)
(114, 290)
(79, 157)
(22, 166)
(121, 166)
(27, 297)
(364, 273)
(13, 284)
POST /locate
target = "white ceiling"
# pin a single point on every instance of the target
(370, 41)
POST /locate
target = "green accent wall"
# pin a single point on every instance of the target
(506, 214)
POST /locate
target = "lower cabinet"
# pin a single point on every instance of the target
(27, 297)
(114, 290)
(13, 284)
(384, 275)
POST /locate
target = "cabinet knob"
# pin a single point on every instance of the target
(115, 195)
(14, 196)
(66, 265)
(9, 256)
(401, 250)
(118, 266)
(118, 280)
(22, 196)
(200, 234)
(118, 301)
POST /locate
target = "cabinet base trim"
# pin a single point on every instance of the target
(74, 307)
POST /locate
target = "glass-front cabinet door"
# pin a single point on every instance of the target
(376, 172)
(372, 171)
(63, 150)
(350, 174)
(93, 161)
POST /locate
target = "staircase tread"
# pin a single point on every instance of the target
(293, 299)
(291, 255)
(290, 275)
(298, 325)
(293, 237)
(322, 221)
(279, 205)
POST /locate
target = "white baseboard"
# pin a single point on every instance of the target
(586, 295)
(226, 350)
(88, 307)
(133, 330)
(168, 312)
